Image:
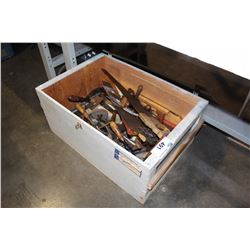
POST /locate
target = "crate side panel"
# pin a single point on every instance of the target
(173, 98)
(95, 149)
(79, 83)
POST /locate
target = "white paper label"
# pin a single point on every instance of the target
(164, 145)
(161, 148)
(127, 162)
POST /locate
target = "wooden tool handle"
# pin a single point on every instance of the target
(148, 122)
(116, 130)
(80, 108)
(85, 115)
(142, 137)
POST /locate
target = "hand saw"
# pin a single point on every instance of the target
(158, 128)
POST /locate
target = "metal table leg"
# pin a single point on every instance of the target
(69, 55)
(47, 60)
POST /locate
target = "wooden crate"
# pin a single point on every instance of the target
(139, 178)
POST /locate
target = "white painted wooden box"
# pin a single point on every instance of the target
(139, 178)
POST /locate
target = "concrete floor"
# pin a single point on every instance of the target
(39, 170)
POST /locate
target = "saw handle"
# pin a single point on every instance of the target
(148, 122)
(138, 91)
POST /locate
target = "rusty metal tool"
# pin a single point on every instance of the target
(106, 130)
(107, 104)
(148, 108)
(158, 128)
(138, 91)
(111, 93)
(137, 142)
(96, 100)
(132, 123)
(124, 102)
(99, 115)
(134, 126)
(74, 98)
(116, 130)
(131, 92)
(112, 88)
(93, 93)
(131, 144)
(85, 115)
(130, 111)
(109, 132)
(134, 102)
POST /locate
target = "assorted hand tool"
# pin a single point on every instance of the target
(118, 113)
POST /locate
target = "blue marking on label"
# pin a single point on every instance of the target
(116, 154)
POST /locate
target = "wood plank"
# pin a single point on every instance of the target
(179, 101)
(79, 83)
